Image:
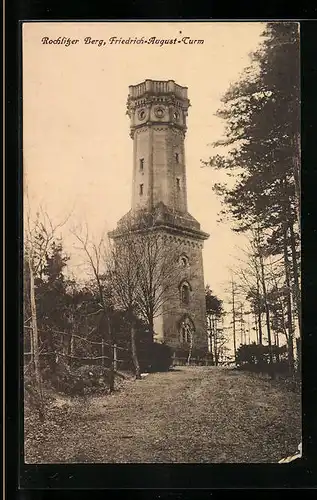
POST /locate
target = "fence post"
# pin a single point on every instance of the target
(102, 352)
(115, 359)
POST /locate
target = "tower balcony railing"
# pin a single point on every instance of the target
(157, 87)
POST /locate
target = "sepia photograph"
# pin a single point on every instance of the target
(161, 246)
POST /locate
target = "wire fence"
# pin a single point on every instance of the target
(182, 361)
(101, 344)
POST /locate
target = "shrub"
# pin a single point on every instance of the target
(181, 352)
(256, 357)
(78, 380)
(91, 378)
(35, 399)
(156, 358)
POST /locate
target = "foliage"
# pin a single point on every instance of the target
(256, 357)
(217, 337)
(214, 305)
(141, 267)
(262, 117)
(181, 351)
(156, 358)
(261, 112)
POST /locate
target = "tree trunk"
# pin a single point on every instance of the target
(190, 347)
(260, 328)
(277, 344)
(72, 345)
(134, 352)
(267, 311)
(288, 304)
(102, 352)
(31, 346)
(256, 329)
(296, 170)
(234, 322)
(296, 277)
(52, 348)
(151, 328)
(241, 324)
(35, 343)
(35, 337)
(214, 337)
(210, 348)
(216, 354)
(259, 313)
(111, 372)
(115, 357)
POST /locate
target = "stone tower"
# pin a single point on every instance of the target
(158, 112)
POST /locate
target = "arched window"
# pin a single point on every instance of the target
(187, 330)
(185, 292)
(183, 260)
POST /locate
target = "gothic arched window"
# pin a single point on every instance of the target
(183, 260)
(187, 330)
(185, 292)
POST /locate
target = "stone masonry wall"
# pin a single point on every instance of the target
(174, 310)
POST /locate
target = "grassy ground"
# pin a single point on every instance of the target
(190, 414)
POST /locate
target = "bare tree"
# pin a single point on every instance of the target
(233, 300)
(146, 264)
(95, 253)
(123, 272)
(39, 233)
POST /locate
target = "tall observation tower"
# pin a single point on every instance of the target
(158, 112)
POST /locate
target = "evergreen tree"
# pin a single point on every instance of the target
(262, 115)
(216, 337)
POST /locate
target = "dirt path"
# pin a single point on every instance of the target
(201, 414)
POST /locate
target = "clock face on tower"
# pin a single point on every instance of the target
(141, 114)
(159, 112)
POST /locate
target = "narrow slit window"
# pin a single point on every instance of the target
(141, 164)
(185, 293)
(141, 189)
(178, 183)
(177, 157)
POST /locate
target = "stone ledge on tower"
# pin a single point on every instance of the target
(160, 102)
(159, 87)
(161, 217)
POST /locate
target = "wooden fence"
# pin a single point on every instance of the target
(101, 359)
(179, 361)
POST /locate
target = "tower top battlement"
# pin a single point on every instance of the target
(156, 87)
(154, 102)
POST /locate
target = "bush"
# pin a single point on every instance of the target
(156, 358)
(181, 351)
(75, 381)
(91, 378)
(35, 398)
(256, 357)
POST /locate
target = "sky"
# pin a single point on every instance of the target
(77, 152)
